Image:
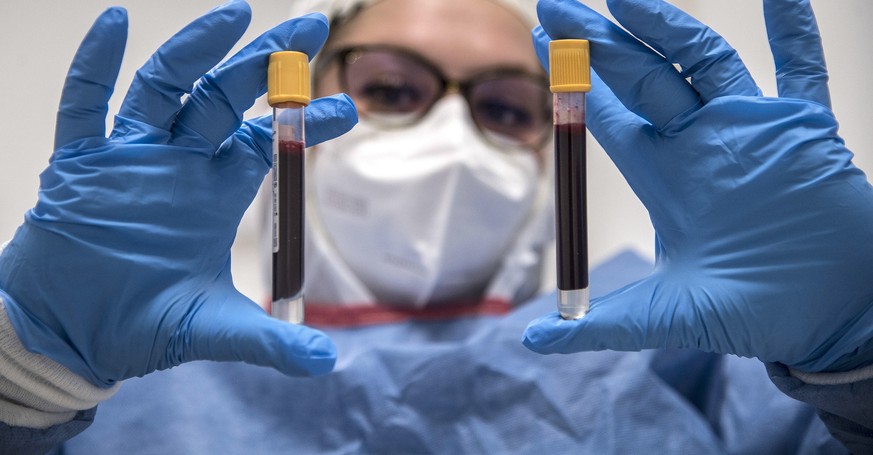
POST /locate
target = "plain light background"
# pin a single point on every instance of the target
(39, 37)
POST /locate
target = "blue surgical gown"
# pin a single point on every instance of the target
(465, 386)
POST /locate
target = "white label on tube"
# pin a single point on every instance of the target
(275, 186)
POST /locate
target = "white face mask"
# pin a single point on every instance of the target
(424, 213)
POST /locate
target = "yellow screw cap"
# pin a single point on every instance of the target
(569, 66)
(288, 78)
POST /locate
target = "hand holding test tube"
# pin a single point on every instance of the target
(166, 190)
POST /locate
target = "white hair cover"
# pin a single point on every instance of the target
(525, 9)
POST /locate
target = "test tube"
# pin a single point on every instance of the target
(288, 93)
(570, 79)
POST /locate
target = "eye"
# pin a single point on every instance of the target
(390, 94)
(502, 116)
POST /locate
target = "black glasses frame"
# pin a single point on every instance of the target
(346, 55)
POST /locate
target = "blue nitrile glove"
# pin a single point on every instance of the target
(123, 266)
(764, 226)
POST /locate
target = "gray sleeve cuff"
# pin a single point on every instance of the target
(846, 377)
(844, 401)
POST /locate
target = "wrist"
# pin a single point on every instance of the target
(36, 391)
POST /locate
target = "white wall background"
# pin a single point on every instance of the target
(39, 37)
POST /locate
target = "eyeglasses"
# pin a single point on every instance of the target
(395, 87)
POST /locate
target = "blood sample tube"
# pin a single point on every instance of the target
(288, 93)
(570, 79)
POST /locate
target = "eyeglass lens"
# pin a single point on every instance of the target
(398, 89)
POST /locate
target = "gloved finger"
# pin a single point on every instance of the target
(329, 117)
(234, 328)
(155, 94)
(215, 108)
(614, 127)
(633, 318)
(541, 45)
(326, 118)
(646, 84)
(713, 65)
(91, 79)
(619, 329)
(797, 51)
(623, 135)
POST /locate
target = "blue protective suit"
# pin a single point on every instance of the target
(463, 386)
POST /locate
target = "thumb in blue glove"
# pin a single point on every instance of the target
(123, 265)
(764, 226)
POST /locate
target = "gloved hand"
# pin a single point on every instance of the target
(123, 265)
(764, 226)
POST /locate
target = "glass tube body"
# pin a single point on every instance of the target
(288, 211)
(571, 211)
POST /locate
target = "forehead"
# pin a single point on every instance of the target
(461, 36)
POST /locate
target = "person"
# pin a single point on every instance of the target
(395, 227)
(160, 247)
